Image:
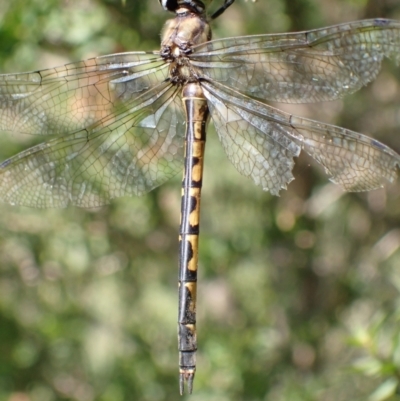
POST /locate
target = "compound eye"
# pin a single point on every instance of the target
(169, 5)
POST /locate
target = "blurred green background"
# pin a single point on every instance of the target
(298, 295)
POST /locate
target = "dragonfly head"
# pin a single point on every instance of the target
(195, 5)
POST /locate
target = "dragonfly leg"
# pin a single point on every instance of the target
(226, 4)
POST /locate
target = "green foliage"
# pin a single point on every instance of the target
(298, 295)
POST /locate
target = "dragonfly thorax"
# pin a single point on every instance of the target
(179, 36)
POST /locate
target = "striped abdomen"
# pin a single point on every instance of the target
(197, 115)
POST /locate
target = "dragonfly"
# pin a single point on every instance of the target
(123, 124)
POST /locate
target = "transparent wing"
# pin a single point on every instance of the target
(68, 98)
(261, 142)
(311, 66)
(129, 152)
(258, 147)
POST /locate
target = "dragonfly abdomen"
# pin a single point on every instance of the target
(197, 115)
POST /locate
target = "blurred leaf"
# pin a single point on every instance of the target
(385, 390)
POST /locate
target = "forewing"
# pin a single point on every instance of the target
(71, 97)
(130, 152)
(261, 142)
(311, 66)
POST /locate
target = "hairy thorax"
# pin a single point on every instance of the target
(179, 35)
